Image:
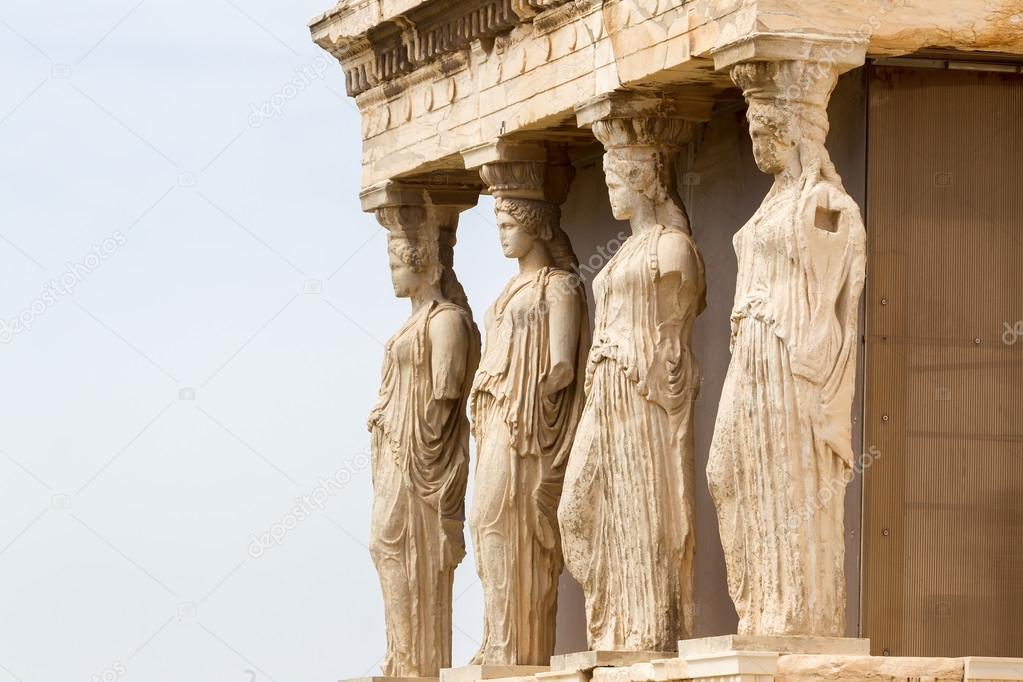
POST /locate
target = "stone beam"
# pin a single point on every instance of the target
(395, 193)
(432, 79)
(838, 52)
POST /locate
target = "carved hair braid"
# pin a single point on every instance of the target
(450, 287)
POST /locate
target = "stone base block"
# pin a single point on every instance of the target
(837, 646)
(391, 679)
(981, 669)
(475, 673)
(588, 660)
(732, 666)
(660, 670)
(868, 669)
(563, 676)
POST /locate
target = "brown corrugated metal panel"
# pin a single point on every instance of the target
(943, 506)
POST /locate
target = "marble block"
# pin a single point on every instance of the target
(563, 676)
(838, 646)
(588, 660)
(828, 668)
(474, 673)
(980, 668)
(733, 666)
(384, 678)
(661, 670)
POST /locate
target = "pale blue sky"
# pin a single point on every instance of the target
(211, 356)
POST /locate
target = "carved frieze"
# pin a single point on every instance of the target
(403, 43)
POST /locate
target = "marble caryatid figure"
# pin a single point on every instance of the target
(526, 402)
(420, 437)
(627, 510)
(782, 448)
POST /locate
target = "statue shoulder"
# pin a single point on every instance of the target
(831, 209)
(563, 285)
(677, 252)
(448, 321)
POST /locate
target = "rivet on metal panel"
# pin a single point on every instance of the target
(886, 652)
(886, 532)
(977, 340)
(884, 417)
(884, 301)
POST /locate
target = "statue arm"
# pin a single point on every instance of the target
(449, 346)
(565, 317)
(677, 264)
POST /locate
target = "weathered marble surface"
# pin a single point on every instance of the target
(867, 669)
(475, 673)
(627, 511)
(781, 454)
(526, 400)
(429, 89)
(590, 660)
(778, 644)
(420, 439)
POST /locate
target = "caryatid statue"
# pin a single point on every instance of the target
(627, 509)
(526, 402)
(782, 448)
(420, 440)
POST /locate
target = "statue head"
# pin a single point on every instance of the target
(787, 111)
(412, 248)
(639, 162)
(524, 222)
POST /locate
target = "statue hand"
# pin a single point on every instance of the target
(559, 376)
(452, 541)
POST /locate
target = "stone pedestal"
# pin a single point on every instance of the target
(741, 658)
(981, 669)
(733, 666)
(384, 678)
(563, 676)
(588, 660)
(838, 646)
(660, 670)
(475, 673)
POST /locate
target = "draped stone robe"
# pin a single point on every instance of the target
(627, 509)
(523, 441)
(782, 448)
(420, 447)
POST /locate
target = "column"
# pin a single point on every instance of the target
(627, 512)
(420, 433)
(526, 402)
(781, 454)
